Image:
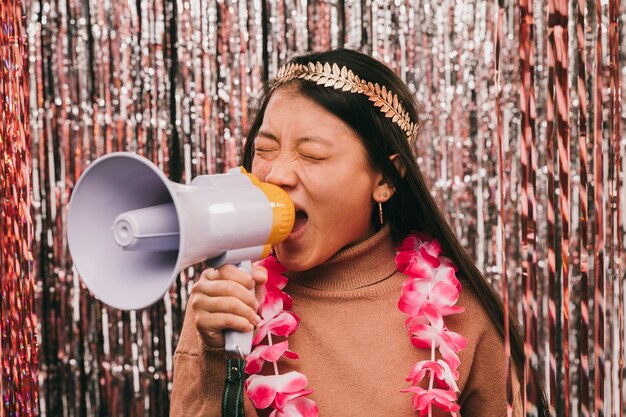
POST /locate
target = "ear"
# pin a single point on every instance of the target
(395, 158)
(384, 189)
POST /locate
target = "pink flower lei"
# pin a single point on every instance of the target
(429, 293)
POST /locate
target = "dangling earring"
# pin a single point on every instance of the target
(380, 209)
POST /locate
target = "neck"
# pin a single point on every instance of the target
(356, 266)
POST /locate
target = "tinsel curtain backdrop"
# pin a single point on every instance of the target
(523, 143)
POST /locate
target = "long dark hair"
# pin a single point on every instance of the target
(411, 208)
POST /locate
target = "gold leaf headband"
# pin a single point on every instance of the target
(345, 80)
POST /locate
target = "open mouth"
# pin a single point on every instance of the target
(301, 219)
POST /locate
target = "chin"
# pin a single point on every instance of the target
(291, 259)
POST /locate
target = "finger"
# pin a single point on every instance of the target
(259, 275)
(212, 325)
(211, 333)
(224, 288)
(224, 321)
(230, 272)
(228, 305)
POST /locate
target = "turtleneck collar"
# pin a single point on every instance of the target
(361, 265)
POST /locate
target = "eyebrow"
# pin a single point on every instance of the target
(267, 135)
(299, 140)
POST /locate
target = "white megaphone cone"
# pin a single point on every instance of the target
(131, 230)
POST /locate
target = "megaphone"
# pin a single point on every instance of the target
(131, 230)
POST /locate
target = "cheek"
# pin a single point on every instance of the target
(346, 205)
(260, 168)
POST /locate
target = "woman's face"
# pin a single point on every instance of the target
(319, 161)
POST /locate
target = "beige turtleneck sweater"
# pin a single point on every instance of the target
(353, 346)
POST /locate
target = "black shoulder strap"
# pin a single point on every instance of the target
(232, 401)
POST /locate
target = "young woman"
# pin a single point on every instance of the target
(384, 325)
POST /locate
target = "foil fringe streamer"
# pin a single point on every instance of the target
(501, 223)
(175, 81)
(599, 208)
(583, 197)
(18, 324)
(528, 201)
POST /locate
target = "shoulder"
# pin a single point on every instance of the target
(482, 378)
(484, 341)
(474, 322)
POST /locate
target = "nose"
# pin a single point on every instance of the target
(282, 173)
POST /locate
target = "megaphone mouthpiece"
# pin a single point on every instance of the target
(152, 228)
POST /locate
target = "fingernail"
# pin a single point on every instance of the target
(257, 319)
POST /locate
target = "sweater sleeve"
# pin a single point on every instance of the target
(484, 393)
(199, 376)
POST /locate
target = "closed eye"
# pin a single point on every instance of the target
(312, 158)
(262, 150)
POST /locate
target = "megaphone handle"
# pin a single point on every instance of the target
(237, 342)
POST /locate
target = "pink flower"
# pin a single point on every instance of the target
(295, 405)
(413, 242)
(442, 295)
(274, 301)
(275, 272)
(427, 328)
(285, 393)
(421, 265)
(444, 376)
(418, 264)
(271, 353)
(413, 296)
(284, 324)
(441, 398)
(416, 246)
(430, 293)
(263, 389)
